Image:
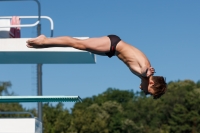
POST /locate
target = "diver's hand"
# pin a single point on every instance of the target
(150, 71)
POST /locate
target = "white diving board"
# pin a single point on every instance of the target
(11, 99)
(15, 51)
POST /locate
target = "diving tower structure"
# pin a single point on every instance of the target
(15, 51)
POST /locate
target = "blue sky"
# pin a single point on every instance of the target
(168, 32)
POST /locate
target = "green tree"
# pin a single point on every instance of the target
(9, 107)
(56, 119)
(90, 119)
(120, 111)
(184, 114)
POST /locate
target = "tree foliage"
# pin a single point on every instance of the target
(120, 111)
(8, 107)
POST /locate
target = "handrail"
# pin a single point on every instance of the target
(25, 25)
(32, 116)
(28, 25)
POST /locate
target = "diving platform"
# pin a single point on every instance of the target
(15, 51)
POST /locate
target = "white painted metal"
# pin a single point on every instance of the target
(26, 25)
(20, 125)
(15, 51)
(4, 32)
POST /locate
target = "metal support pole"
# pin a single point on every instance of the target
(39, 80)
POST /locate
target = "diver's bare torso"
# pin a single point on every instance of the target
(133, 58)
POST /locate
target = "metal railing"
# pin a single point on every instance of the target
(17, 113)
(28, 25)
